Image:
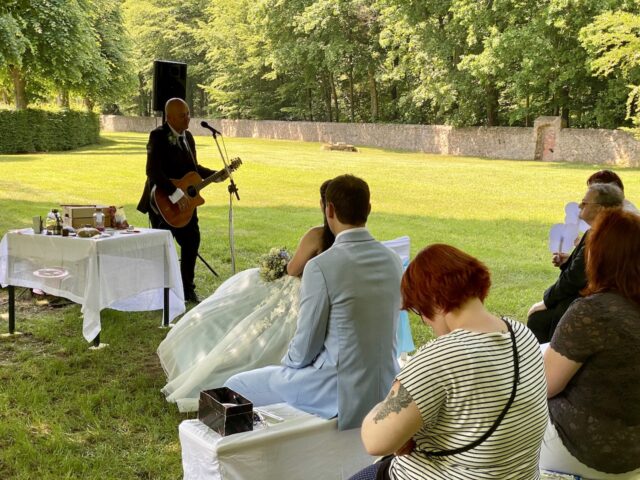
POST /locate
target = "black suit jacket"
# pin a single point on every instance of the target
(166, 160)
(572, 279)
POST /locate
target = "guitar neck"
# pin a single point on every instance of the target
(210, 179)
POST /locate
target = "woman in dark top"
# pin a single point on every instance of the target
(593, 362)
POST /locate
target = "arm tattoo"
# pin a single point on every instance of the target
(393, 403)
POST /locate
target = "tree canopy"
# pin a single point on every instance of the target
(458, 62)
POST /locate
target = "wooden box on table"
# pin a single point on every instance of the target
(77, 216)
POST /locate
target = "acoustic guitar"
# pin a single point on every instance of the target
(190, 184)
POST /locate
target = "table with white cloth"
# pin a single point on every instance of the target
(302, 446)
(123, 270)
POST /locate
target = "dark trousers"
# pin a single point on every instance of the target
(544, 322)
(367, 473)
(188, 237)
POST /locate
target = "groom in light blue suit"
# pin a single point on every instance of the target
(342, 358)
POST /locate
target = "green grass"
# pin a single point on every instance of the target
(66, 412)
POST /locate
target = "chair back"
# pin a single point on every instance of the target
(402, 247)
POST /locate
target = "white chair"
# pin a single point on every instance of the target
(402, 246)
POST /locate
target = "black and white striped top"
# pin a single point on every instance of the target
(461, 382)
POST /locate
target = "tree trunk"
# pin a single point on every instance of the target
(63, 99)
(203, 107)
(373, 92)
(310, 100)
(142, 100)
(526, 118)
(394, 92)
(565, 117)
(492, 105)
(189, 93)
(352, 95)
(564, 105)
(19, 87)
(89, 104)
(326, 90)
(334, 92)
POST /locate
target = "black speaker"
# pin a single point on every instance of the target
(169, 81)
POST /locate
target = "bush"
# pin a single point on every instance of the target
(26, 131)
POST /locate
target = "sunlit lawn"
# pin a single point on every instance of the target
(66, 412)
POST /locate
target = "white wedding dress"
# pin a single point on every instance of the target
(247, 323)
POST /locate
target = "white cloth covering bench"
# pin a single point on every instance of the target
(302, 446)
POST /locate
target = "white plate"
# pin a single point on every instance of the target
(55, 272)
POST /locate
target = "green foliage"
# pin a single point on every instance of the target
(458, 62)
(165, 30)
(53, 47)
(43, 131)
(13, 44)
(109, 76)
(613, 43)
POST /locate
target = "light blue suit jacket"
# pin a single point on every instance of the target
(343, 357)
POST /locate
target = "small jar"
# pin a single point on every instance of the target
(98, 220)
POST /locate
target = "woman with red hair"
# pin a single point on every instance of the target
(593, 362)
(469, 404)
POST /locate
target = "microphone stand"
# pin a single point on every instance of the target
(233, 190)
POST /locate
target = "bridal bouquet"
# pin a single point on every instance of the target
(273, 265)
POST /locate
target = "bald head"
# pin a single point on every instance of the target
(177, 113)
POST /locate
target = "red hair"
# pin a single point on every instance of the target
(441, 277)
(613, 254)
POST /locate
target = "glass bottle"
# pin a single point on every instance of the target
(98, 219)
(58, 229)
(53, 223)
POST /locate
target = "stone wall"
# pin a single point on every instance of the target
(590, 145)
(546, 141)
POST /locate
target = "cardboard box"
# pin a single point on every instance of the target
(78, 216)
(225, 411)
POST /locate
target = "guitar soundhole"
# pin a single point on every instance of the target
(191, 191)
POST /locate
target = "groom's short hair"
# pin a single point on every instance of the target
(350, 198)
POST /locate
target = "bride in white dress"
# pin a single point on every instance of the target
(246, 324)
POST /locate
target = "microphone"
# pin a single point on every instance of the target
(204, 124)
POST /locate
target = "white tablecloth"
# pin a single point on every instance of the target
(126, 272)
(303, 447)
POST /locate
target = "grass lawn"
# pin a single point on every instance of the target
(67, 412)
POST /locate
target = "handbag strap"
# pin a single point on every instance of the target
(488, 433)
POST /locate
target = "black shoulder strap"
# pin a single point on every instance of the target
(488, 433)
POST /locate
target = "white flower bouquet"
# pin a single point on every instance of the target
(273, 265)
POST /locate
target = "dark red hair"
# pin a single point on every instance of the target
(613, 254)
(441, 277)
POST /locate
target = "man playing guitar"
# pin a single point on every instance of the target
(171, 154)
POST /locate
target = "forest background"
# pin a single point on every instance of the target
(456, 62)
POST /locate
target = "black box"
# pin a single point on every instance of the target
(225, 411)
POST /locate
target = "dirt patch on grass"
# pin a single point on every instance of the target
(27, 307)
(28, 303)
